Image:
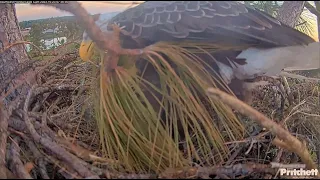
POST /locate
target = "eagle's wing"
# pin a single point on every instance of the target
(206, 21)
(274, 45)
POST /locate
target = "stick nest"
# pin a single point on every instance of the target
(58, 137)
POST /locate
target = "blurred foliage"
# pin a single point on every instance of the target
(270, 7)
(304, 23)
(50, 30)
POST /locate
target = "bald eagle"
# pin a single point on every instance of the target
(271, 46)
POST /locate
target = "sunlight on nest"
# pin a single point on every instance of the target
(144, 139)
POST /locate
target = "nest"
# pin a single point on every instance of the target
(59, 138)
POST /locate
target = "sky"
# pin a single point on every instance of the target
(28, 12)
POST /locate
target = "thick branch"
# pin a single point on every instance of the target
(293, 143)
(16, 164)
(48, 144)
(40, 160)
(221, 171)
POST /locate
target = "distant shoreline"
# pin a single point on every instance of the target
(62, 17)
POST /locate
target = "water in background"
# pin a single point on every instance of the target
(49, 43)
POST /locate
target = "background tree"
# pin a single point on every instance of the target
(36, 36)
(298, 17)
(270, 7)
(290, 12)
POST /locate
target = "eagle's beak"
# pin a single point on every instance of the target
(86, 50)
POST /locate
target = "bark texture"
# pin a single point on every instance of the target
(10, 33)
(290, 12)
(15, 56)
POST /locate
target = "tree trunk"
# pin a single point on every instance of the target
(10, 33)
(317, 3)
(15, 55)
(290, 12)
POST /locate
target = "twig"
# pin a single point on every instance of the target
(231, 171)
(60, 56)
(39, 159)
(17, 124)
(53, 52)
(16, 165)
(56, 149)
(65, 170)
(289, 166)
(235, 154)
(55, 87)
(279, 155)
(129, 176)
(250, 147)
(292, 142)
(3, 140)
(21, 42)
(296, 76)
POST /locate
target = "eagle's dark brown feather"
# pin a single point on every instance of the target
(225, 22)
(206, 20)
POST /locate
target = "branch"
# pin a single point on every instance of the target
(291, 142)
(50, 145)
(300, 77)
(16, 164)
(312, 9)
(221, 171)
(39, 159)
(21, 42)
